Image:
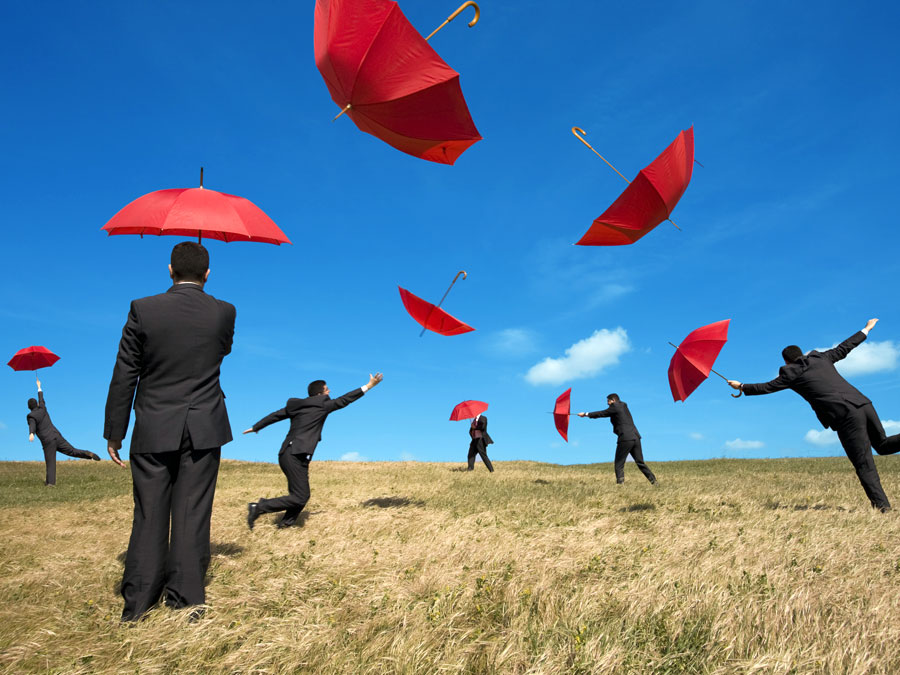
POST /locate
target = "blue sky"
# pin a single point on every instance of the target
(789, 230)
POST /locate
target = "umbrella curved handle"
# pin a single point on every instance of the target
(580, 134)
(455, 14)
(737, 395)
(463, 272)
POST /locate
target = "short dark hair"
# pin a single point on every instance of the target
(190, 261)
(316, 387)
(612, 397)
(32, 404)
(791, 353)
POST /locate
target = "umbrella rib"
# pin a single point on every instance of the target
(362, 60)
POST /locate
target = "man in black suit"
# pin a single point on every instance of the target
(51, 440)
(629, 440)
(171, 350)
(307, 417)
(480, 440)
(838, 405)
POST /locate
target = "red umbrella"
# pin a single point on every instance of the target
(32, 358)
(561, 414)
(196, 212)
(389, 80)
(432, 317)
(648, 200)
(694, 358)
(467, 410)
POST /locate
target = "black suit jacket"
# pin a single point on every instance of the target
(622, 423)
(307, 417)
(171, 349)
(481, 425)
(816, 379)
(39, 422)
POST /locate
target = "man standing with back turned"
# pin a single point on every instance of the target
(171, 349)
(838, 405)
(629, 440)
(307, 417)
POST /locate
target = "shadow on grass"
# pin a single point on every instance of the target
(541, 481)
(392, 502)
(803, 507)
(228, 549)
(643, 506)
(458, 468)
(300, 522)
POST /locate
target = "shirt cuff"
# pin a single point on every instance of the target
(364, 388)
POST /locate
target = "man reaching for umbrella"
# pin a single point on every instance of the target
(629, 440)
(838, 405)
(52, 441)
(307, 417)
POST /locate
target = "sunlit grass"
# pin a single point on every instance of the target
(728, 566)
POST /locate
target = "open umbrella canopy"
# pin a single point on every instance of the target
(694, 358)
(390, 81)
(32, 358)
(467, 410)
(431, 317)
(561, 413)
(649, 199)
(196, 212)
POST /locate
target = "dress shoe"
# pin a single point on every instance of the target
(94, 456)
(252, 513)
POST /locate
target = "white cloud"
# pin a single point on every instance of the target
(869, 357)
(407, 457)
(741, 444)
(696, 436)
(353, 457)
(513, 342)
(823, 437)
(583, 359)
(608, 293)
(891, 427)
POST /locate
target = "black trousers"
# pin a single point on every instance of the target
(169, 487)
(59, 444)
(296, 470)
(860, 431)
(633, 448)
(477, 447)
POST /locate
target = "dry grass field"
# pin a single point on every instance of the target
(728, 566)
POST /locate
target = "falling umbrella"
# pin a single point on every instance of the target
(561, 414)
(467, 410)
(196, 212)
(694, 358)
(432, 317)
(648, 200)
(32, 358)
(386, 77)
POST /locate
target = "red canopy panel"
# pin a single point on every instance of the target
(196, 212)
(649, 199)
(561, 414)
(467, 410)
(430, 317)
(694, 358)
(32, 358)
(398, 88)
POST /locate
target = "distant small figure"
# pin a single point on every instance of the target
(307, 417)
(480, 440)
(629, 440)
(52, 441)
(838, 405)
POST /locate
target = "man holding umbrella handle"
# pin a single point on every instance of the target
(838, 405)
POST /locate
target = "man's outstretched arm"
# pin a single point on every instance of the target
(350, 396)
(837, 353)
(271, 418)
(597, 413)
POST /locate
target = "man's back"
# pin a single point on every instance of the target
(42, 425)
(172, 348)
(622, 422)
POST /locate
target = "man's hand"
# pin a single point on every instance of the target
(31, 438)
(375, 379)
(39, 382)
(870, 324)
(582, 414)
(735, 384)
(249, 431)
(113, 447)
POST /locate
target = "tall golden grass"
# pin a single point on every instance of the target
(728, 566)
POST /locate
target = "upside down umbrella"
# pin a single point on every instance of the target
(694, 358)
(387, 78)
(432, 317)
(467, 410)
(648, 200)
(32, 358)
(561, 414)
(196, 212)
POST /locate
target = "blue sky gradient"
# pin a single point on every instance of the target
(789, 230)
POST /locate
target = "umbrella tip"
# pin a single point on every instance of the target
(201, 177)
